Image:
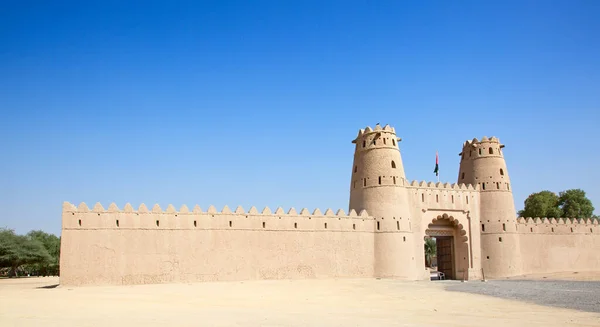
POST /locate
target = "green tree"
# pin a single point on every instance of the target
(52, 244)
(7, 247)
(541, 204)
(571, 203)
(430, 250)
(575, 204)
(19, 250)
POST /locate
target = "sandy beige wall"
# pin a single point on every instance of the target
(558, 247)
(443, 196)
(458, 201)
(219, 246)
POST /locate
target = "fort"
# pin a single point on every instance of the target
(474, 222)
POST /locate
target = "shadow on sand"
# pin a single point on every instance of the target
(48, 286)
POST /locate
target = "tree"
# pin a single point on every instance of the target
(574, 204)
(430, 250)
(19, 250)
(7, 247)
(541, 204)
(52, 244)
(571, 203)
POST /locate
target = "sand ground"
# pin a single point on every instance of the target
(344, 302)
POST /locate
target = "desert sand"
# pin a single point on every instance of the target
(343, 302)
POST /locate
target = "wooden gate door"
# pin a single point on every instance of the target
(445, 256)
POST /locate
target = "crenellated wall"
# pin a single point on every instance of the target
(558, 245)
(114, 246)
(443, 195)
(475, 221)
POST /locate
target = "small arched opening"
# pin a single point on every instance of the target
(393, 164)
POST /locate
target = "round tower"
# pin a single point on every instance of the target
(378, 186)
(482, 164)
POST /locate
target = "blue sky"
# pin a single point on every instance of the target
(256, 102)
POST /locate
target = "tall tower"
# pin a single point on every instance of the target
(377, 186)
(482, 163)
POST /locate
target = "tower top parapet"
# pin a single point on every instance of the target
(475, 142)
(491, 142)
(377, 129)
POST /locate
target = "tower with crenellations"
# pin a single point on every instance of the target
(378, 186)
(482, 163)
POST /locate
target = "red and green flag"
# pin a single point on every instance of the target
(437, 164)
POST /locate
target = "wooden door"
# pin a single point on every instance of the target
(445, 256)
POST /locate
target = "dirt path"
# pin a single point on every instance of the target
(352, 302)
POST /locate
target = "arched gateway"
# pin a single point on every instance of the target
(452, 248)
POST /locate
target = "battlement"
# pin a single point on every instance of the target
(443, 186)
(556, 225)
(113, 218)
(557, 221)
(378, 128)
(475, 142)
(156, 209)
(492, 145)
(376, 133)
(430, 195)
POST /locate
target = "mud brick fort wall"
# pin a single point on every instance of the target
(382, 235)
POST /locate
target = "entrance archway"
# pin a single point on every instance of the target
(450, 245)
